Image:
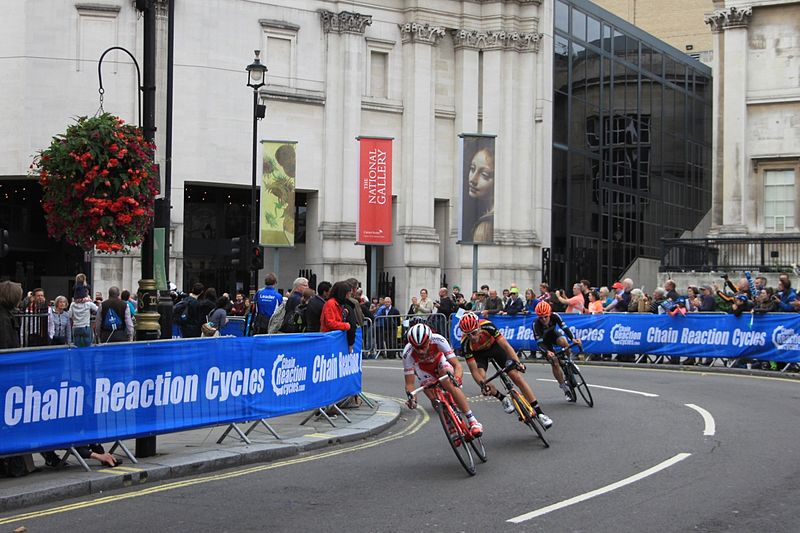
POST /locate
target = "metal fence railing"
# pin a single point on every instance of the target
(390, 332)
(763, 254)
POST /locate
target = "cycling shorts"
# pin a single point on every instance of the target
(492, 352)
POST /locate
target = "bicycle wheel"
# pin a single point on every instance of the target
(477, 446)
(528, 415)
(455, 438)
(580, 385)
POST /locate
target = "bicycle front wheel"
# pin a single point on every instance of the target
(477, 446)
(569, 379)
(528, 415)
(456, 438)
(580, 385)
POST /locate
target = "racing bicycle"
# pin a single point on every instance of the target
(526, 413)
(572, 374)
(454, 425)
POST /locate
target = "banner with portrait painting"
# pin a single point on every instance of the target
(477, 156)
(374, 224)
(277, 216)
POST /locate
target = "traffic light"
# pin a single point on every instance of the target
(3, 242)
(235, 251)
(256, 258)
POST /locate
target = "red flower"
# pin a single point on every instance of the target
(113, 162)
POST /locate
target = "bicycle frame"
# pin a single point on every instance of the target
(443, 399)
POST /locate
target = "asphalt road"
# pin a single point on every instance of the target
(632, 463)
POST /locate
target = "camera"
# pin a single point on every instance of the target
(724, 276)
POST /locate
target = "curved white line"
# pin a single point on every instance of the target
(602, 490)
(711, 426)
(592, 386)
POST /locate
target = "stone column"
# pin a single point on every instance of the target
(415, 202)
(733, 107)
(337, 207)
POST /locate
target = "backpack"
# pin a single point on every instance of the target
(180, 313)
(296, 322)
(276, 320)
(111, 320)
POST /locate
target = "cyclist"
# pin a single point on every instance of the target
(429, 356)
(549, 330)
(481, 341)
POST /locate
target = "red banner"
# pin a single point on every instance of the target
(375, 192)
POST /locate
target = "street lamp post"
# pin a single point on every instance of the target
(256, 74)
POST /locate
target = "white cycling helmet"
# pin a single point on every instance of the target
(419, 335)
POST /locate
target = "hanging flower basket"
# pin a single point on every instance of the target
(99, 183)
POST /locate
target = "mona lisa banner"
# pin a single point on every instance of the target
(277, 194)
(477, 188)
(375, 191)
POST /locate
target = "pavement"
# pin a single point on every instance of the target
(196, 451)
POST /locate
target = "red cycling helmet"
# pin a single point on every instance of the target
(469, 322)
(419, 335)
(543, 309)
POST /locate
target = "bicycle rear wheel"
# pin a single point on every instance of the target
(580, 385)
(528, 415)
(455, 438)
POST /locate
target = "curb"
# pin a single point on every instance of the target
(76, 483)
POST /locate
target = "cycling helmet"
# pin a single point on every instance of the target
(468, 323)
(543, 309)
(419, 335)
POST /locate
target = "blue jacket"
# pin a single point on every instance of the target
(786, 298)
(267, 300)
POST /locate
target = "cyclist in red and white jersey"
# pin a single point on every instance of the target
(429, 356)
(481, 341)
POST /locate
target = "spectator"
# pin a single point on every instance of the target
(412, 309)
(741, 304)
(459, 300)
(386, 326)
(679, 307)
(575, 302)
(219, 316)
(80, 313)
(59, 329)
(445, 305)
(114, 322)
(595, 305)
(314, 307)
(657, 303)
(638, 303)
(530, 301)
(10, 298)
(514, 304)
(299, 286)
(479, 304)
(374, 305)
(766, 301)
(98, 298)
(669, 286)
(694, 299)
(207, 303)
(586, 288)
(186, 315)
(333, 316)
(126, 297)
(760, 283)
(81, 290)
(544, 293)
(506, 296)
(238, 308)
(425, 306)
(267, 301)
(623, 296)
(605, 297)
(786, 295)
(494, 304)
(355, 302)
(35, 323)
(707, 301)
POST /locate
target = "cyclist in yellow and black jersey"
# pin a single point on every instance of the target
(550, 331)
(481, 341)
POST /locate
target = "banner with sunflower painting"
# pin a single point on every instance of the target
(277, 194)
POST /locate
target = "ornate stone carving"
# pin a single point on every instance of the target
(415, 32)
(344, 22)
(733, 17)
(495, 40)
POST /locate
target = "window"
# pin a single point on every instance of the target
(97, 31)
(779, 193)
(280, 51)
(562, 16)
(378, 70)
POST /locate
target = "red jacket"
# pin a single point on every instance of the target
(331, 318)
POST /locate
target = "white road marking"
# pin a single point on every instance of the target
(592, 386)
(711, 426)
(597, 492)
(383, 367)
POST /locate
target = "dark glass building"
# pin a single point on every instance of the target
(631, 144)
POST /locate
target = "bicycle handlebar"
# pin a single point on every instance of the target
(510, 365)
(420, 389)
(558, 350)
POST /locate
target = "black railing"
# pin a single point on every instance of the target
(763, 254)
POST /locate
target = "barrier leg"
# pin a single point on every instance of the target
(234, 427)
(320, 411)
(73, 451)
(341, 413)
(266, 425)
(124, 449)
(366, 400)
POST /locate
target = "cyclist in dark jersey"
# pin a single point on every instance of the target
(481, 341)
(550, 331)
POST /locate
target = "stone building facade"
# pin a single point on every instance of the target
(756, 153)
(419, 72)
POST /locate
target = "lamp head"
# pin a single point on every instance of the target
(256, 72)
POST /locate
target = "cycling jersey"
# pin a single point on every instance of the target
(484, 346)
(428, 364)
(547, 336)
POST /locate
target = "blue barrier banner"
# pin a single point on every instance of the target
(55, 398)
(769, 337)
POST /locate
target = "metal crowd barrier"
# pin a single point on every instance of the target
(390, 332)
